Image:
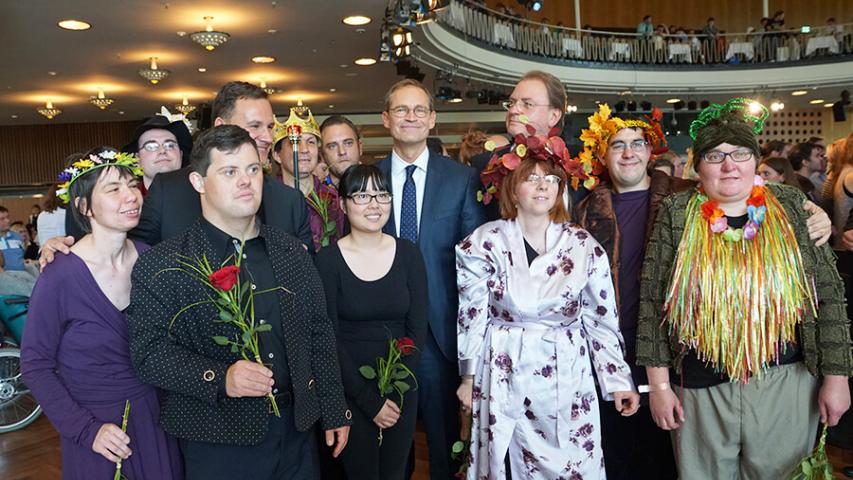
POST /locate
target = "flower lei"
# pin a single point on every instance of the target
(550, 148)
(596, 138)
(109, 158)
(756, 210)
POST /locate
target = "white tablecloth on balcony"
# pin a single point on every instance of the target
(620, 49)
(503, 35)
(572, 47)
(457, 15)
(827, 41)
(745, 48)
(681, 49)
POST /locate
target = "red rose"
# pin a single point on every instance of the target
(406, 345)
(225, 278)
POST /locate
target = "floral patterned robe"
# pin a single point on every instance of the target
(531, 336)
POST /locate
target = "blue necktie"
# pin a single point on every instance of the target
(409, 209)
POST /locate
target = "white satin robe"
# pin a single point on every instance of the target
(531, 336)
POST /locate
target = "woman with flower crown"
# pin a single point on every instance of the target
(537, 313)
(74, 355)
(749, 313)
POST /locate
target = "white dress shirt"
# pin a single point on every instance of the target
(398, 179)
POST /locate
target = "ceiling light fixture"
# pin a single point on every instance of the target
(673, 100)
(776, 105)
(202, 69)
(101, 100)
(264, 87)
(209, 38)
(49, 111)
(356, 20)
(754, 107)
(300, 109)
(153, 73)
(798, 93)
(75, 25)
(817, 101)
(185, 107)
(263, 59)
(571, 108)
(401, 41)
(365, 61)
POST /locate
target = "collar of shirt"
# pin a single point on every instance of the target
(224, 244)
(10, 235)
(398, 165)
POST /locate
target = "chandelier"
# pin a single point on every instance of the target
(300, 109)
(209, 38)
(49, 111)
(152, 73)
(101, 101)
(269, 90)
(185, 107)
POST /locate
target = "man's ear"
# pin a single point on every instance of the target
(197, 182)
(218, 121)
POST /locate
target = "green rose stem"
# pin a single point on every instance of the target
(118, 475)
(390, 372)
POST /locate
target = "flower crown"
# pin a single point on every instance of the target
(540, 148)
(596, 138)
(744, 109)
(109, 158)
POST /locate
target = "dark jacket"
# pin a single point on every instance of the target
(596, 215)
(185, 362)
(450, 212)
(172, 205)
(824, 339)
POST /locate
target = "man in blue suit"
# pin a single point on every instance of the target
(434, 206)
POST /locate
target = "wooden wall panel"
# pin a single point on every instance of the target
(32, 154)
(731, 15)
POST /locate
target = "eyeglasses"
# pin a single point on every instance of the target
(403, 111)
(154, 146)
(365, 198)
(715, 156)
(549, 179)
(524, 105)
(636, 146)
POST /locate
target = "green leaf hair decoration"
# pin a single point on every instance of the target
(738, 106)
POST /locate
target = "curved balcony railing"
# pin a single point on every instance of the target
(576, 45)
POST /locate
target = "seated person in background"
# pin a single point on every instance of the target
(11, 244)
(14, 282)
(31, 248)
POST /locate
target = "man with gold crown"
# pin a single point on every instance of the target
(324, 212)
(625, 207)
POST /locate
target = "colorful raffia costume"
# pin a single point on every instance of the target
(741, 314)
(531, 332)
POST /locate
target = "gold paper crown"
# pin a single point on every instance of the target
(307, 125)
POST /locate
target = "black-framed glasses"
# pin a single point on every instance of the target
(636, 146)
(403, 111)
(715, 156)
(363, 198)
(154, 146)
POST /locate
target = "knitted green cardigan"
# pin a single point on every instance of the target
(825, 339)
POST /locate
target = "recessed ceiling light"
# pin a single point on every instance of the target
(797, 93)
(455, 100)
(121, 112)
(344, 65)
(263, 59)
(356, 20)
(331, 106)
(365, 61)
(333, 90)
(817, 101)
(351, 74)
(827, 105)
(14, 116)
(202, 69)
(272, 30)
(52, 74)
(71, 24)
(673, 100)
(181, 33)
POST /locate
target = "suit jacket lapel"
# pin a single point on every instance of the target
(431, 196)
(390, 226)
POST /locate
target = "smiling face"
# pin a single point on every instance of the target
(308, 154)
(166, 158)
(256, 117)
(728, 182)
(116, 201)
(409, 129)
(530, 98)
(627, 166)
(370, 217)
(230, 191)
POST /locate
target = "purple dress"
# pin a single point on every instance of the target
(75, 359)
